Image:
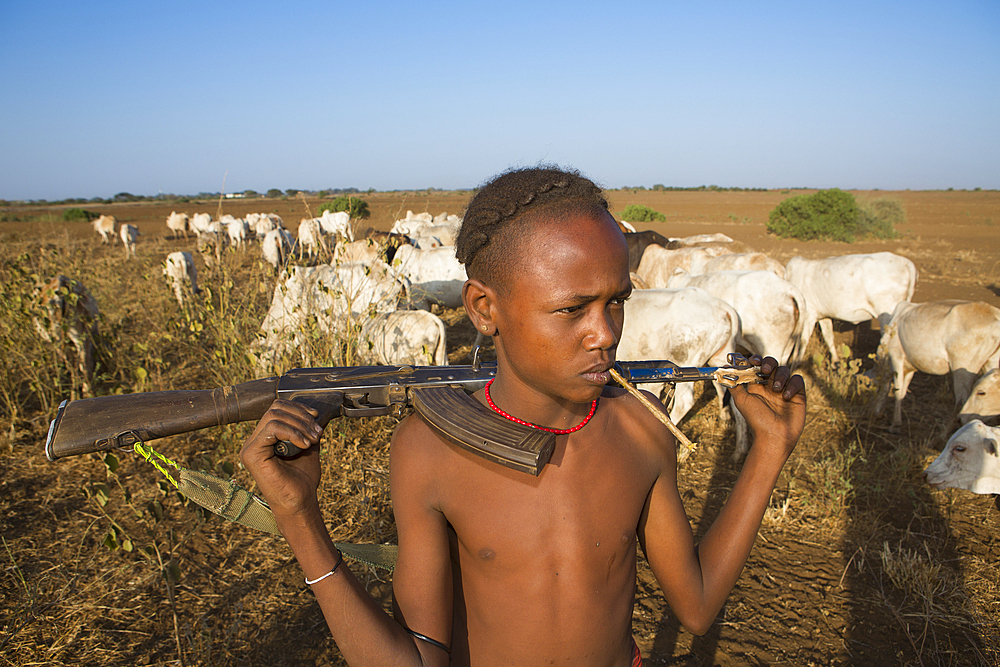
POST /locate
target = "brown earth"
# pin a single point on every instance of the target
(858, 562)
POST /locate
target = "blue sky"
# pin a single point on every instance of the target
(148, 97)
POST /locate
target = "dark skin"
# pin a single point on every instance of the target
(511, 569)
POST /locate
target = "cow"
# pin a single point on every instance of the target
(435, 276)
(69, 318)
(404, 338)
(238, 231)
(771, 309)
(310, 236)
(850, 288)
(388, 241)
(745, 261)
(178, 224)
(179, 270)
(704, 238)
(638, 242)
(107, 227)
(277, 245)
(659, 263)
(984, 400)
(434, 236)
(689, 327)
(201, 222)
(960, 337)
(970, 460)
(365, 251)
(412, 223)
(338, 299)
(129, 234)
(337, 224)
(264, 224)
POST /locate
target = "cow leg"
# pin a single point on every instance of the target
(826, 330)
(962, 381)
(683, 401)
(903, 378)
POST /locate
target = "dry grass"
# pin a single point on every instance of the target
(105, 564)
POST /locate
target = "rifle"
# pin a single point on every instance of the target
(441, 394)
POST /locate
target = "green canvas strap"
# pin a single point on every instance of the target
(234, 503)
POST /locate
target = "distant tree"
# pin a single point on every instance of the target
(249, 193)
(291, 192)
(833, 215)
(357, 208)
(659, 187)
(72, 214)
(274, 193)
(323, 194)
(640, 213)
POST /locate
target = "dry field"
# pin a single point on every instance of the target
(858, 562)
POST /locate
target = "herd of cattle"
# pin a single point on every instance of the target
(696, 300)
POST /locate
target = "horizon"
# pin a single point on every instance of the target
(187, 97)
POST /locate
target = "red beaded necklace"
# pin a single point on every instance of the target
(557, 431)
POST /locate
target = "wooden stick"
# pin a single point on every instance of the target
(686, 445)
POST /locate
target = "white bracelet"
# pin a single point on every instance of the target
(328, 574)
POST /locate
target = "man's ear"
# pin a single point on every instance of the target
(479, 301)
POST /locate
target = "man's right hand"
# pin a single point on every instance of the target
(289, 485)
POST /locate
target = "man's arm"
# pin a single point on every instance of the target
(365, 634)
(696, 579)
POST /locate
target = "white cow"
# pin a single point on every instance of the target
(435, 276)
(276, 247)
(658, 263)
(705, 238)
(745, 261)
(69, 315)
(412, 223)
(338, 299)
(960, 337)
(365, 251)
(310, 236)
(850, 288)
(178, 223)
(179, 270)
(771, 309)
(404, 338)
(238, 231)
(107, 227)
(201, 222)
(689, 327)
(970, 460)
(129, 234)
(984, 400)
(337, 224)
(263, 224)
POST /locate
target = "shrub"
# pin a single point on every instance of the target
(74, 214)
(640, 213)
(355, 207)
(828, 215)
(878, 218)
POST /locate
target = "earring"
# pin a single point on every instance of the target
(484, 327)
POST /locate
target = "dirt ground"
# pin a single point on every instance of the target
(821, 587)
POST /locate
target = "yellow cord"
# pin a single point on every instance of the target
(154, 458)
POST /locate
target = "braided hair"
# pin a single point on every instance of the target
(503, 211)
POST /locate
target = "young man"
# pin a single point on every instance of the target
(497, 567)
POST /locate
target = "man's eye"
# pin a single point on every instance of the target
(570, 309)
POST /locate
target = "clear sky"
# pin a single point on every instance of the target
(146, 97)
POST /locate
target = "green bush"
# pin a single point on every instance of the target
(73, 214)
(355, 207)
(640, 213)
(827, 215)
(878, 218)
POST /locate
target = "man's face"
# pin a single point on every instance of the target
(560, 321)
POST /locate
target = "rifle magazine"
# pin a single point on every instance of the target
(462, 420)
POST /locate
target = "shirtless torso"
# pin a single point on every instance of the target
(543, 568)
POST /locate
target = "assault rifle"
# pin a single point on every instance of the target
(441, 394)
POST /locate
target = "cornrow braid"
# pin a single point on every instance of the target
(498, 215)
